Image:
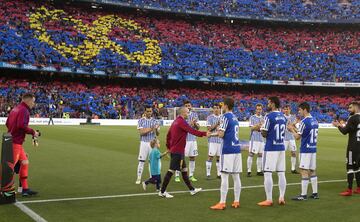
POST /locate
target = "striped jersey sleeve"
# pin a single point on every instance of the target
(301, 128)
(223, 123)
(266, 124)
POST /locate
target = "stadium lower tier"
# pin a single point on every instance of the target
(112, 100)
(38, 33)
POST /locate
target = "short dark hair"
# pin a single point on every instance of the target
(229, 102)
(28, 96)
(304, 105)
(355, 103)
(275, 100)
(216, 104)
(187, 102)
(259, 104)
(286, 106)
(148, 107)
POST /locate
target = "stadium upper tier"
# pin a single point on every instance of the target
(286, 9)
(109, 101)
(36, 33)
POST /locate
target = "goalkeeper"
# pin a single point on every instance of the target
(18, 126)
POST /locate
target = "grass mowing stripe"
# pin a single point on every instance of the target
(36, 217)
(149, 194)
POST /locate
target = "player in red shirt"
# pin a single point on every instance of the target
(18, 126)
(175, 143)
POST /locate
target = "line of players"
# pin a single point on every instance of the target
(279, 130)
(149, 128)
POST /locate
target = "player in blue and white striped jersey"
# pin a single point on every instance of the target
(191, 148)
(289, 142)
(308, 132)
(212, 123)
(148, 128)
(256, 141)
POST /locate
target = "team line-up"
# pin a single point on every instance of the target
(271, 135)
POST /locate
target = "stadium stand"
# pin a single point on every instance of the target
(289, 9)
(36, 33)
(122, 100)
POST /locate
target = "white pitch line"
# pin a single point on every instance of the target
(151, 194)
(36, 217)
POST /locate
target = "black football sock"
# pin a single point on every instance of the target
(186, 180)
(357, 176)
(167, 179)
(350, 178)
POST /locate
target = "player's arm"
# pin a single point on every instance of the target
(296, 133)
(168, 139)
(265, 127)
(212, 127)
(345, 129)
(157, 129)
(143, 130)
(23, 124)
(184, 126)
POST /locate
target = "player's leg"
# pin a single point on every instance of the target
(357, 172)
(23, 174)
(280, 168)
(236, 178)
(259, 159)
(252, 151)
(185, 176)
(143, 154)
(269, 163)
(211, 154)
(293, 156)
(175, 163)
(313, 177)
(193, 154)
(305, 160)
(224, 187)
(218, 153)
(350, 175)
(187, 154)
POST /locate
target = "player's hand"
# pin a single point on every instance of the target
(36, 134)
(208, 134)
(336, 123)
(290, 127)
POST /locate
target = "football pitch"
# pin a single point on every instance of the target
(88, 173)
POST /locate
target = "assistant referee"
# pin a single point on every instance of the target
(175, 143)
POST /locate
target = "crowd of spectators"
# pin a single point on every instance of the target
(288, 9)
(113, 101)
(37, 33)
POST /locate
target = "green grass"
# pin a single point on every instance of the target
(95, 161)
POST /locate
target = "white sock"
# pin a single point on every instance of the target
(314, 183)
(268, 183)
(304, 186)
(259, 163)
(191, 167)
(237, 187)
(249, 163)
(293, 163)
(208, 167)
(224, 187)
(282, 184)
(177, 173)
(140, 169)
(218, 168)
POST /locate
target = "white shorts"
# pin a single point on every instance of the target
(256, 147)
(191, 149)
(290, 145)
(231, 163)
(214, 149)
(144, 152)
(274, 161)
(307, 161)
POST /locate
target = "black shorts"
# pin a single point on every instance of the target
(177, 162)
(353, 160)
